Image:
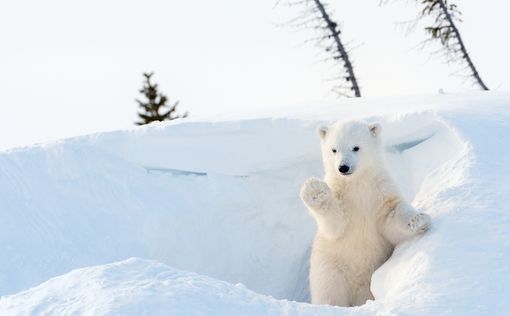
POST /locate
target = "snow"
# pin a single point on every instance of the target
(141, 287)
(212, 206)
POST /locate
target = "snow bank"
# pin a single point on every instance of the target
(220, 198)
(141, 287)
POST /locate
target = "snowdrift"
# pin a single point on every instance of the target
(219, 198)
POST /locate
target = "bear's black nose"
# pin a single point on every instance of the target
(344, 169)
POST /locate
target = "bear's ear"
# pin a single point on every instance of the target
(322, 131)
(375, 129)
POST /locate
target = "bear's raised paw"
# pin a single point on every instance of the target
(419, 223)
(315, 193)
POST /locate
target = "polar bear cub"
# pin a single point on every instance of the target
(360, 214)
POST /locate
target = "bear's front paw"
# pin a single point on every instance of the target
(419, 223)
(315, 193)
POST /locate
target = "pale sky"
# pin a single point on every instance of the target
(74, 67)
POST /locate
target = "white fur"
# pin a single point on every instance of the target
(360, 216)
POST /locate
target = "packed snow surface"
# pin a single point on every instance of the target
(212, 207)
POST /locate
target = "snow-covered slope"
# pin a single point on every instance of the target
(140, 287)
(220, 198)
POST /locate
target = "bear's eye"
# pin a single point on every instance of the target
(333, 150)
(355, 148)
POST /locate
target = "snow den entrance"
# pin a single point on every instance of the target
(247, 224)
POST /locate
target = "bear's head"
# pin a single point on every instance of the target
(349, 148)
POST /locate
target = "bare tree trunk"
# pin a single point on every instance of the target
(332, 26)
(463, 49)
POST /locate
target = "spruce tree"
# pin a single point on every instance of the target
(155, 108)
(444, 29)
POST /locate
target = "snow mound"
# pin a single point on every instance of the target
(142, 287)
(221, 199)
